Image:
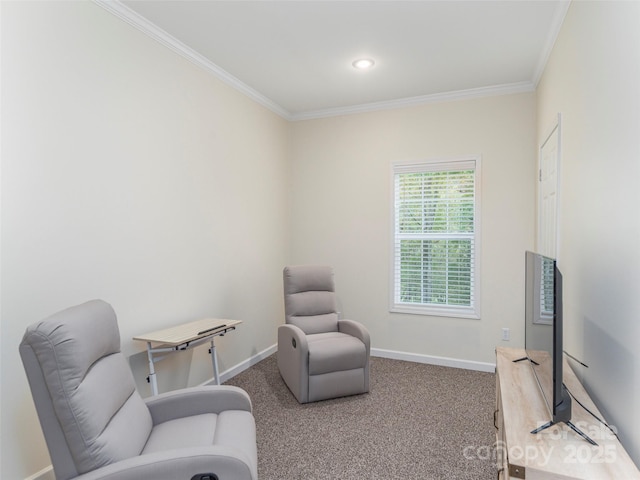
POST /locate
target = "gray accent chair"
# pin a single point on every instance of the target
(320, 356)
(97, 426)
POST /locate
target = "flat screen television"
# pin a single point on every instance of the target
(543, 336)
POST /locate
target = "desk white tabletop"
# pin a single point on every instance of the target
(188, 332)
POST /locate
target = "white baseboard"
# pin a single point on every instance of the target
(242, 366)
(376, 352)
(44, 474)
(434, 360)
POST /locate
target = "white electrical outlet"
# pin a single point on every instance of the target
(505, 334)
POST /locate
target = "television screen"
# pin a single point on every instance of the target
(543, 337)
(540, 334)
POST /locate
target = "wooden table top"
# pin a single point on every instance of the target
(188, 332)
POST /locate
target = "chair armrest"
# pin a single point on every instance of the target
(355, 329)
(196, 401)
(180, 464)
(293, 360)
(287, 333)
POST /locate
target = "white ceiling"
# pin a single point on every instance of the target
(295, 56)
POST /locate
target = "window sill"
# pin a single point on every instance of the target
(433, 311)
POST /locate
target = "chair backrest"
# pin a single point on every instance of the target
(90, 412)
(310, 299)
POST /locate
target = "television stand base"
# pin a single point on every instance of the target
(522, 359)
(570, 425)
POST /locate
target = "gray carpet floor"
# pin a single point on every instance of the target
(418, 421)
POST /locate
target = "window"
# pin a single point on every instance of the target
(436, 238)
(543, 313)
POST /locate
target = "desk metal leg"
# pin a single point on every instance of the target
(152, 371)
(214, 360)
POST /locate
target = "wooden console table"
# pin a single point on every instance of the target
(557, 452)
(182, 337)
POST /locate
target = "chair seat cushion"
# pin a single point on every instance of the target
(334, 352)
(231, 428)
(186, 432)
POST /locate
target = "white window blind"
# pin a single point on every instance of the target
(547, 294)
(435, 245)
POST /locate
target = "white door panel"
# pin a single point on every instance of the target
(549, 165)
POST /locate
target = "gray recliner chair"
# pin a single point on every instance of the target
(97, 426)
(320, 356)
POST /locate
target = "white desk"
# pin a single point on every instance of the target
(182, 337)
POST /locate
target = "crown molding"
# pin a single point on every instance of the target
(554, 31)
(507, 89)
(138, 21)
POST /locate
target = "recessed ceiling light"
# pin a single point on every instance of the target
(363, 63)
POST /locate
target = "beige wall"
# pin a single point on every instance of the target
(129, 174)
(593, 79)
(341, 213)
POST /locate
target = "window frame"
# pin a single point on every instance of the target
(438, 164)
